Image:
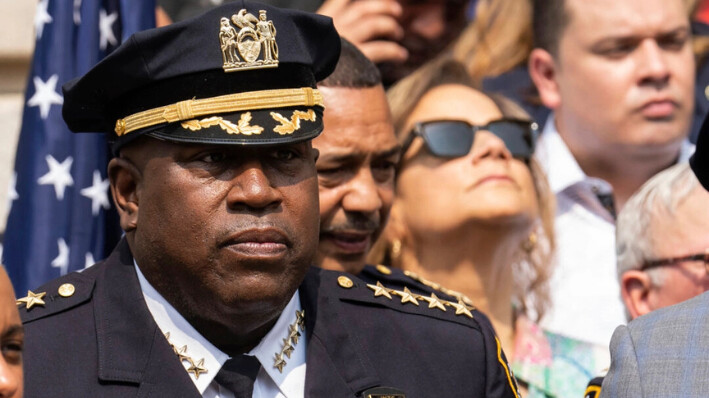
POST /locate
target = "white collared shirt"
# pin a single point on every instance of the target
(270, 383)
(585, 293)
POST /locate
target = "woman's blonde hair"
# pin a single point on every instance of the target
(533, 270)
(498, 40)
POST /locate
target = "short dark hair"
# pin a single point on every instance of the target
(549, 19)
(353, 70)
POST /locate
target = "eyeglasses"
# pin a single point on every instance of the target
(676, 260)
(454, 138)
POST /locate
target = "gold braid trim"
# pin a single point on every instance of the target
(190, 109)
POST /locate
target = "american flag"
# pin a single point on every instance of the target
(61, 218)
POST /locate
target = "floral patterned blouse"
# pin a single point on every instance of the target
(552, 365)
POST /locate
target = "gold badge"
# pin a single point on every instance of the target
(383, 392)
(253, 46)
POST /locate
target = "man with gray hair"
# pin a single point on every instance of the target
(662, 241)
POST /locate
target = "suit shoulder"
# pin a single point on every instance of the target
(58, 295)
(682, 315)
(400, 298)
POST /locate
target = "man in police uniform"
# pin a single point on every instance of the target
(210, 293)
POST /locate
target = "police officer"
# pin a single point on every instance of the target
(211, 292)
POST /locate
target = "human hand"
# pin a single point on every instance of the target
(371, 25)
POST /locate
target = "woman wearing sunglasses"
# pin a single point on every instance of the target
(473, 213)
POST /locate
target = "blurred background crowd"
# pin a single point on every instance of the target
(580, 118)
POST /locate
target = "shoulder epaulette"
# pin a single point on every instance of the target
(55, 296)
(389, 272)
(404, 300)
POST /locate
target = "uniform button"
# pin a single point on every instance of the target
(383, 269)
(706, 92)
(66, 290)
(345, 282)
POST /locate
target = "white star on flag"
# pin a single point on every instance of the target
(77, 12)
(98, 193)
(58, 175)
(89, 260)
(45, 95)
(105, 26)
(12, 194)
(62, 260)
(41, 17)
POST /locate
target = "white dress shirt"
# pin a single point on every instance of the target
(270, 383)
(585, 293)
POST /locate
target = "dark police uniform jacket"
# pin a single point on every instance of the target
(102, 341)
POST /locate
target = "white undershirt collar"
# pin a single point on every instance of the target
(269, 383)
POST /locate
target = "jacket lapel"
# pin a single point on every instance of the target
(131, 348)
(335, 367)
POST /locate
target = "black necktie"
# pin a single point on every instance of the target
(238, 375)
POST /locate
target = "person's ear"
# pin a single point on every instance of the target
(635, 289)
(125, 180)
(543, 71)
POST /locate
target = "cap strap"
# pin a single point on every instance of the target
(188, 109)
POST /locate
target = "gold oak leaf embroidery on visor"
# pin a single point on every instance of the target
(289, 126)
(243, 126)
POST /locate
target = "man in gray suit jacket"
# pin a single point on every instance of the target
(662, 354)
(665, 353)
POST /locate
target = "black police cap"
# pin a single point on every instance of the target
(243, 73)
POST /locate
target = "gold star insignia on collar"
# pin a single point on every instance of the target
(294, 334)
(461, 309)
(290, 341)
(279, 362)
(435, 302)
(287, 347)
(196, 368)
(380, 290)
(32, 299)
(300, 319)
(406, 296)
(182, 352)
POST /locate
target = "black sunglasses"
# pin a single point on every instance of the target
(454, 138)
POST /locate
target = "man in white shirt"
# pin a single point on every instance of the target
(619, 77)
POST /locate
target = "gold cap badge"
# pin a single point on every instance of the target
(255, 42)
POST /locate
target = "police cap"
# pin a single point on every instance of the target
(244, 73)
